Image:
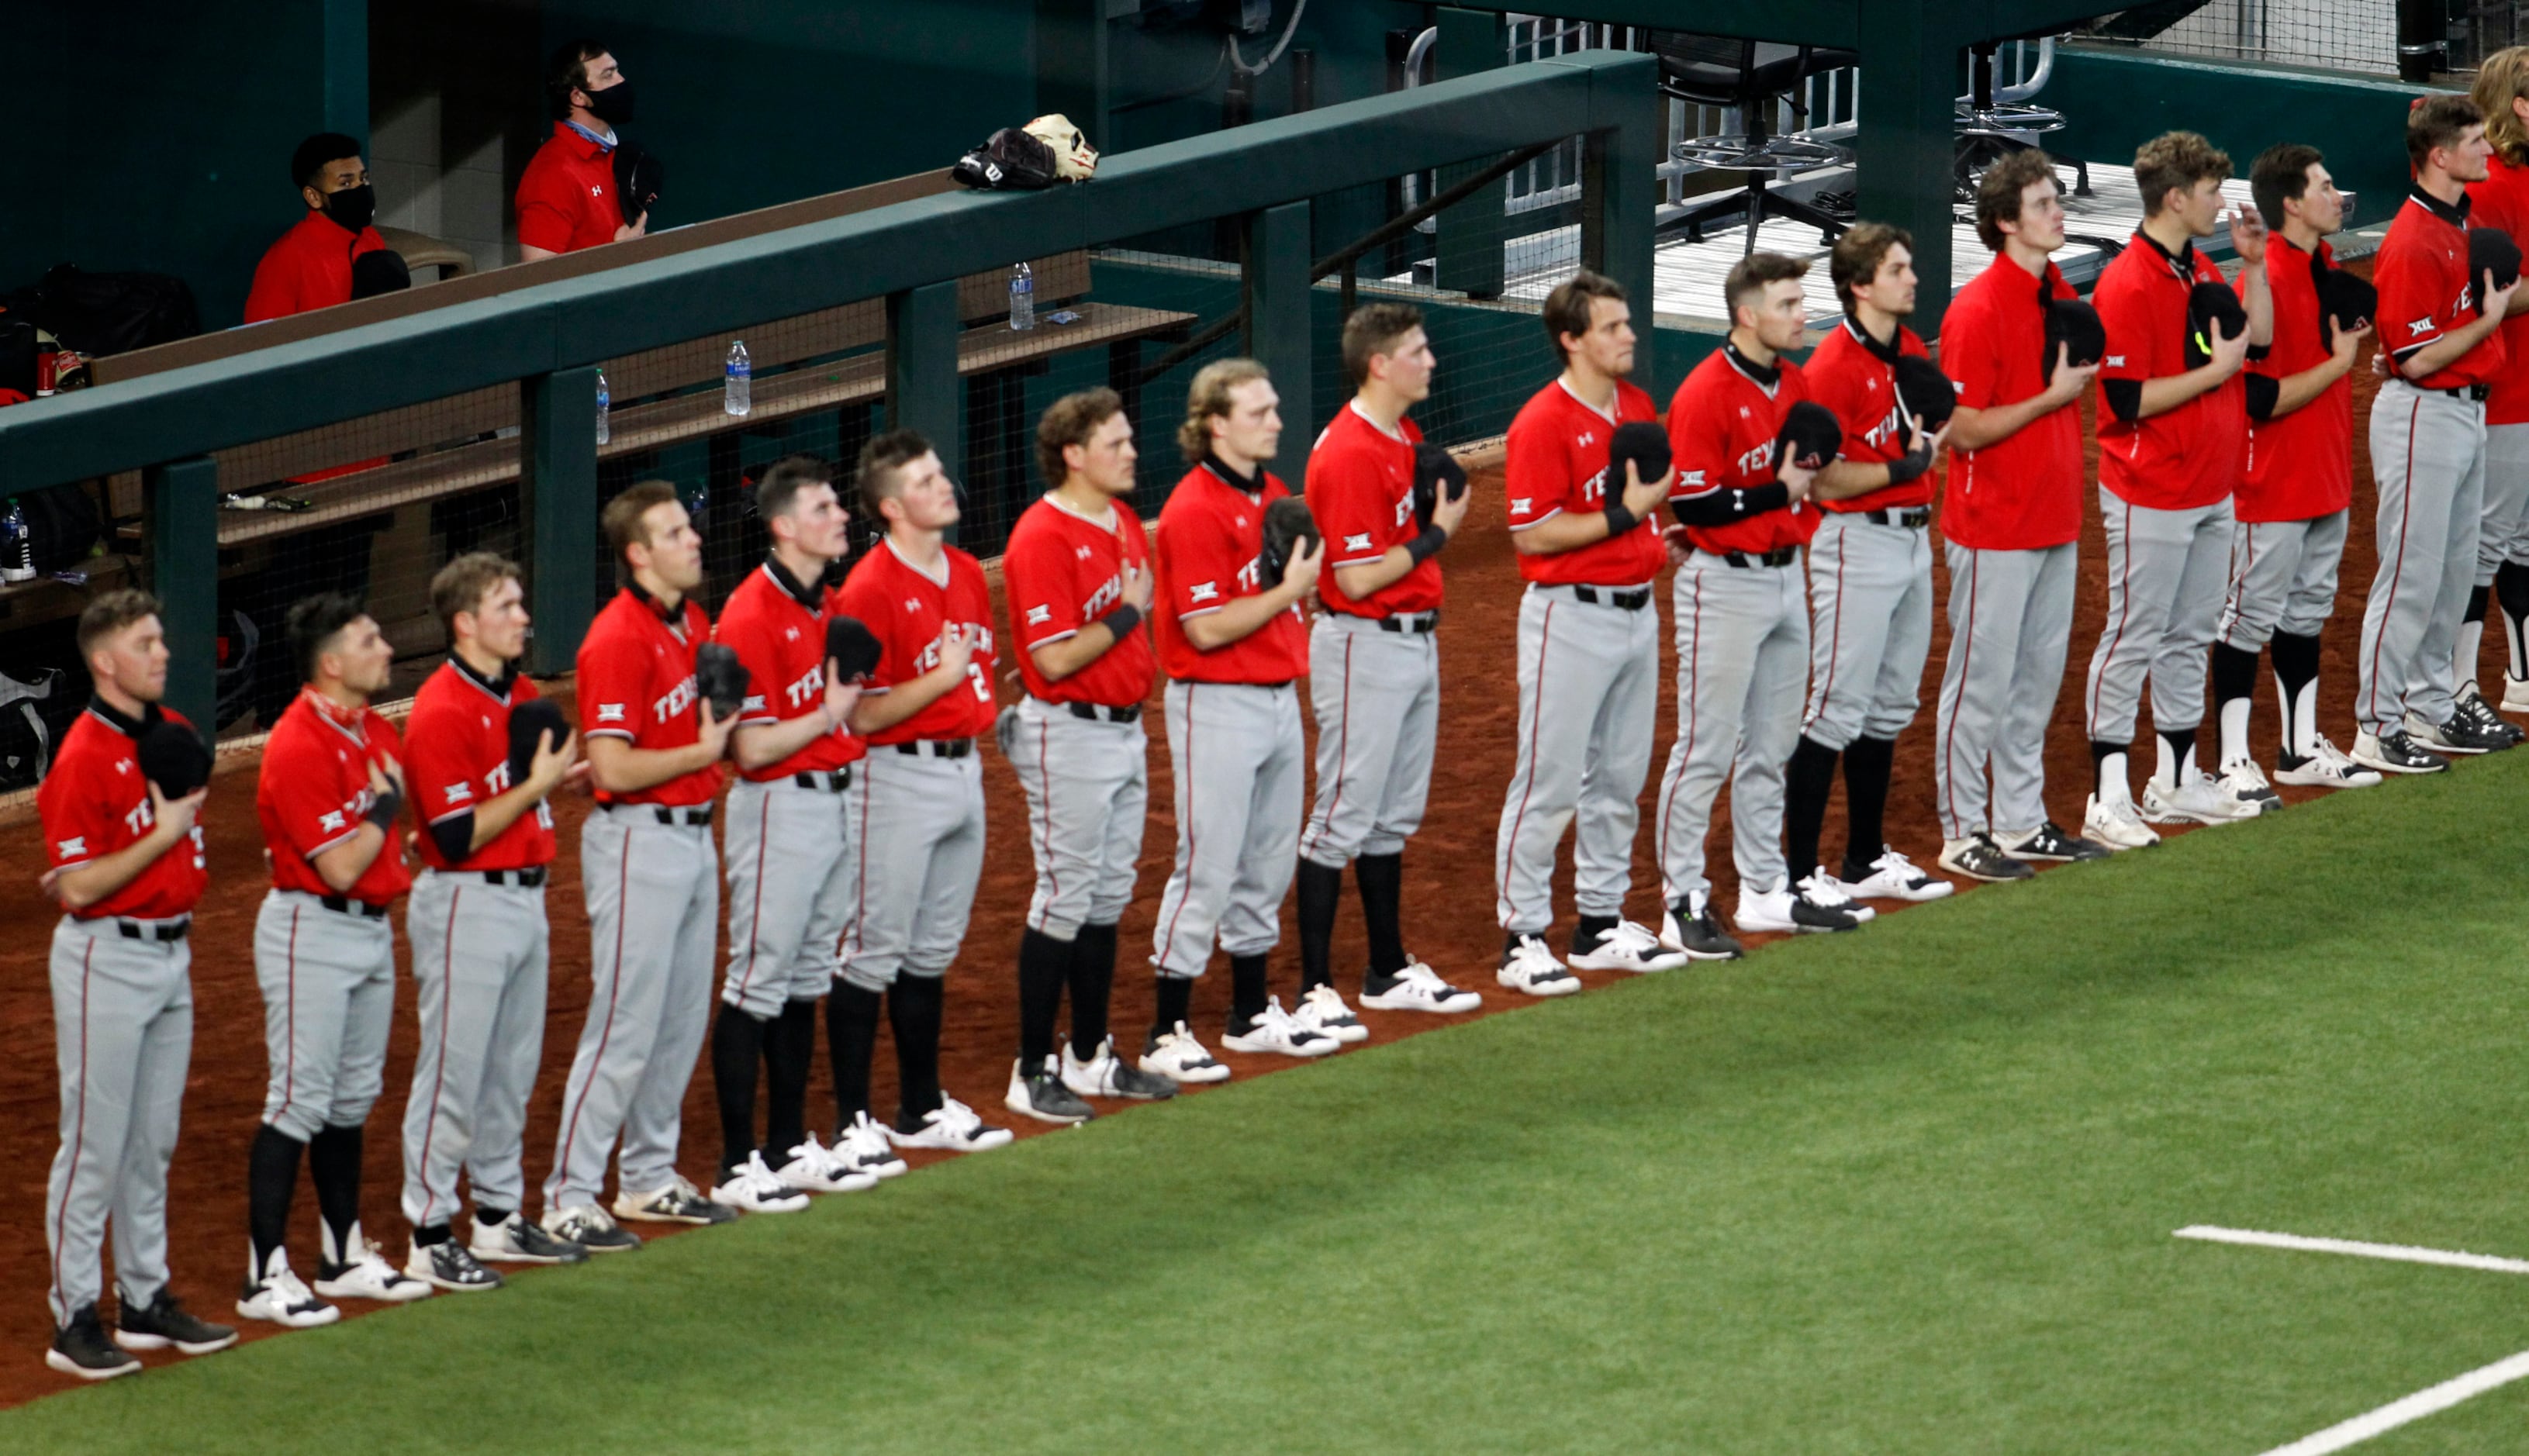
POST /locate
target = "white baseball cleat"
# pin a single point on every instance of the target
(2115, 825)
(2198, 799)
(1782, 910)
(865, 1147)
(2243, 781)
(812, 1168)
(1106, 1074)
(369, 1276)
(1180, 1057)
(1416, 988)
(2515, 694)
(952, 1125)
(2327, 767)
(1892, 876)
(1528, 966)
(1821, 887)
(1275, 1032)
(280, 1298)
(1323, 1010)
(1627, 947)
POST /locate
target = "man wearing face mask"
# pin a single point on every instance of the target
(569, 197)
(333, 255)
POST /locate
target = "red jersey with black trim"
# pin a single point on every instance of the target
(2184, 457)
(457, 759)
(2425, 292)
(2501, 201)
(636, 683)
(1062, 571)
(2021, 493)
(1721, 429)
(1556, 460)
(906, 607)
(309, 267)
(2300, 465)
(313, 794)
(565, 197)
(781, 641)
(95, 802)
(1210, 532)
(1855, 376)
(1359, 488)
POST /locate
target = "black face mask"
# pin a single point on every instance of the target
(614, 105)
(352, 208)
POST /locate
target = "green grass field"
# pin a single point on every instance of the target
(1909, 1190)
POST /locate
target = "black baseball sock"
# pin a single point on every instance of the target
(334, 1166)
(1044, 964)
(2108, 771)
(1092, 986)
(851, 1043)
(2176, 756)
(1246, 991)
(2295, 659)
(789, 1050)
(1320, 890)
(1585, 936)
(1806, 781)
(427, 1234)
(1868, 764)
(271, 1177)
(738, 1045)
(913, 1010)
(2512, 592)
(488, 1216)
(1176, 994)
(2234, 683)
(1382, 881)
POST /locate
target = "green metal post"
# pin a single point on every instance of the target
(1471, 233)
(558, 480)
(1904, 149)
(922, 366)
(1274, 313)
(180, 537)
(1619, 202)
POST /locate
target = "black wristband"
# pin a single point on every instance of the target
(383, 812)
(1122, 620)
(1910, 464)
(1619, 519)
(1425, 546)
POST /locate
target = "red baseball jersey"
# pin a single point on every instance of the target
(1721, 429)
(2023, 492)
(2425, 291)
(1210, 532)
(2300, 465)
(459, 760)
(777, 629)
(1557, 461)
(95, 801)
(567, 195)
(309, 267)
(1360, 488)
(2501, 201)
(907, 607)
(1062, 571)
(1855, 375)
(636, 683)
(2179, 458)
(313, 794)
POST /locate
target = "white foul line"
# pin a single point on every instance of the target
(2414, 1407)
(2403, 1252)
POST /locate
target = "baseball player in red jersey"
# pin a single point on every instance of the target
(651, 877)
(1870, 573)
(476, 919)
(1373, 671)
(1078, 573)
(2441, 327)
(2501, 200)
(2010, 519)
(125, 862)
(792, 873)
(1742, 619)
(2172, 440)
(1231, 646)
(2291, 503)
(917, 812)
(1588, 651)
(327, 797)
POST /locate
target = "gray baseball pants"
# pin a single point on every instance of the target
(1742, 663)
(1376, 698)
(2167, 571)
(328, 981)
(1241, 766)
(2283, 579)
(792, 883)
(1870, 627)
(2504, 536)
(479, 959)
(2011, 622)
(919, 821)
(2428, 459)
(1087, 787)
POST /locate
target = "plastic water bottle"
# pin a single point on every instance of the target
(603, 432)
(17, 545)
(737, 386)
(1022, 296)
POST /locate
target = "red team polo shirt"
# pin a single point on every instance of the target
(906, 607)
(2300, 465)
(1850, 375)
(313, 794)
(2179, 458)
(636, 683)
(1063, 571)
(311, 267)
(1210, 534)
(1721, 430)
(2025, 493)
(2501, 201)
(459, 760)
(1557, 461)
(2425, 291)
(780, 640)
(95, 801)
(1360, 488)
(567, 195)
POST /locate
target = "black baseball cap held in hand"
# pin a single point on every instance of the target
(1643, 442)
(1287, 523)
(1810, 437)
(2213, 313)
(2074, 324)
(172, 757)
(2345, 301)
(853, 648)
(530, 722)
(1923, 391)
(721, 678)
(1435, 470)
(2491, 249)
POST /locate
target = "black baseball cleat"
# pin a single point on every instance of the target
(2481, 718)
(162, 1322)
(1697, 930)
(2395, 751)
(2458, 736)
(1979, 857)
(81, 1349)
(2050, 842)
(1040, 1094)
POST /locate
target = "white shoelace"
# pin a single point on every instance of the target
(956, 1119)
(1819, 890)
(1427, 980)
(759, 1180)
(1182, 1045)
(1534, 962)
(864, 1139)
(590, 1216)
(2330, 754)
(285, 1287)
(1891, 862)
(1327, 1003)
(1627, 936)
(2246, 772)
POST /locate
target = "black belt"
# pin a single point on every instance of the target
(530, 878)
(2477, 393)
(1099, 713)
(834, 782)
(667, 816)
(1417, 623)
(1912, 517)
(1744, 560)
(345, 905)
(938, 747)
(165, 932)
(1632, 601)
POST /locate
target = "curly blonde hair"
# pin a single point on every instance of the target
(1208, 398)
(2500, 81)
